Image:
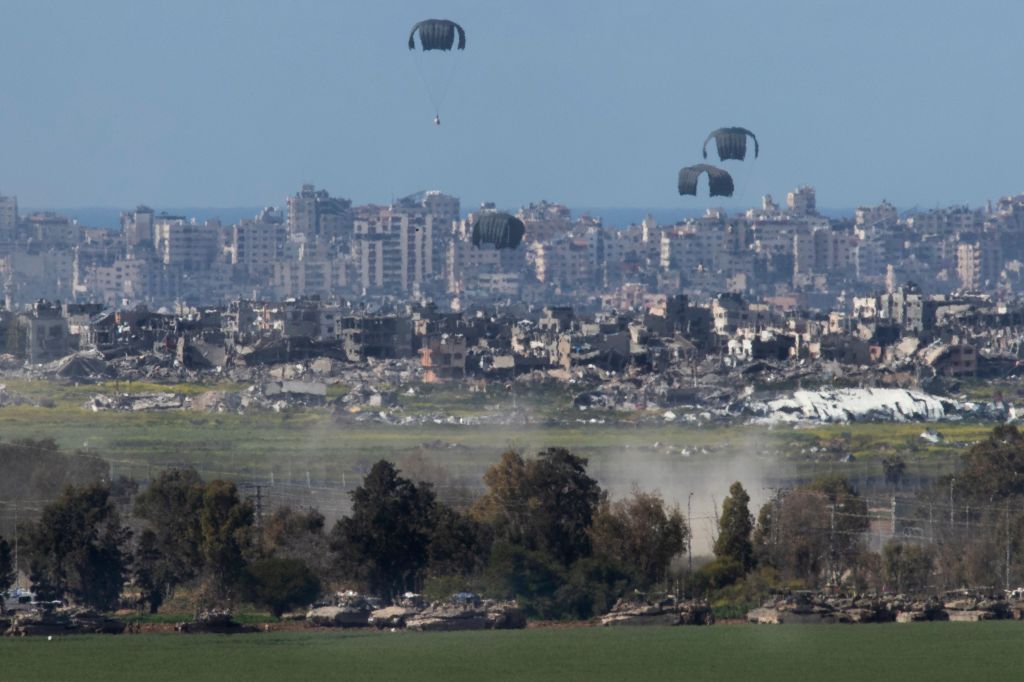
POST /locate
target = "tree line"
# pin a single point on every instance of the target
(543, 532)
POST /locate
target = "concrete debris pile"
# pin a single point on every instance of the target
(291, 393)
(667, 611)
(136, 402)
(615, 395)
(63, 621)
(220, 401)
(363, 396)
(151, 367)
(274, 395)
(89, 365)
(315, 391)
(634, 391)
(216, 621)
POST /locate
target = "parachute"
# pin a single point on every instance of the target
(437, 37)
(437, 34)
(719, 182)
(731, 143)
(502, 230)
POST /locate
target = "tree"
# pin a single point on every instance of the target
(280, 584)
(225, 522)
(458, 543)
(385, 541)
(150, 571)
(907, 568)
(590, 588)
(292, 534)
(545, 504)
(77, 549)
(540, 513)
(715, 575)
(735, 528)
(844, 519)
(505, 506)
(813, 532)
(528, 576)
(289, 530)
(567, 499)
(170, 551)
(640, 535)
(994, 468)
(8, 573)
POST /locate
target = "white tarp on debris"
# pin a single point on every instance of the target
(858, 404)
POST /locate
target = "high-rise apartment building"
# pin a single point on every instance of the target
(315, 213)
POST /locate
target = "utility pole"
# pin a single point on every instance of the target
(951, 521)
(259, 507)
(892, 522)
(689, 534)
(832, 546)
(17, 572)
(1007, 521)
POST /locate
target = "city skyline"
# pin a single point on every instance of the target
(226, 106)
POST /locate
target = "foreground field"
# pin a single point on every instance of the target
(926, 651)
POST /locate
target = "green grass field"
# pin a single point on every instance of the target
(935, 651)
(235, 442)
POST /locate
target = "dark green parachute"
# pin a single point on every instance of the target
(731, 143)
(719, 182)
(502, 230)
(437, 34)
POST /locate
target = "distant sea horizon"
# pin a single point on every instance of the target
(612, 216)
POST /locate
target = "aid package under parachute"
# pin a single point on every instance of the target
(503, 230)
(720, 183)
(437, 34)
(731, 143)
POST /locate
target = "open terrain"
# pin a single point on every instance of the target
(314, 458)
(925, 651)
(291, 442)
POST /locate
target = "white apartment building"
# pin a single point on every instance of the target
(257, 244)
(183, 243)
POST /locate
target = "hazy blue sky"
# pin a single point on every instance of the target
(596, 102)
